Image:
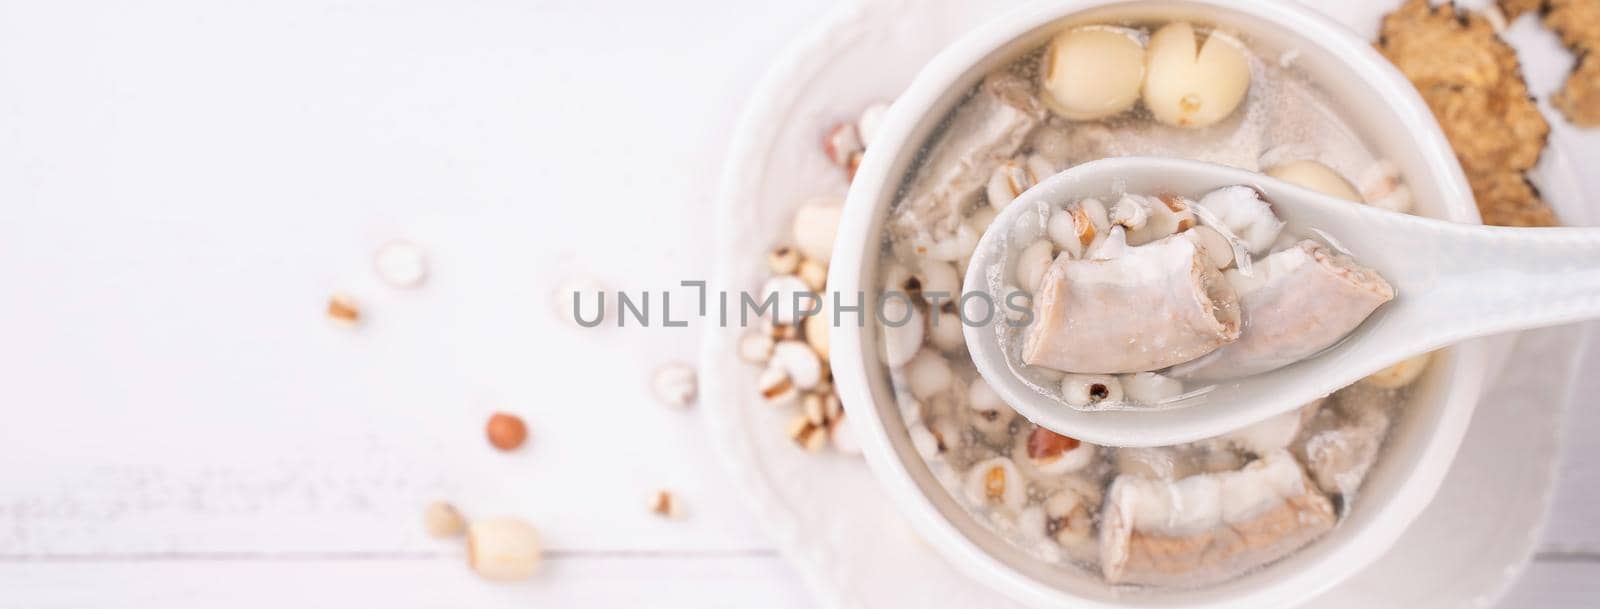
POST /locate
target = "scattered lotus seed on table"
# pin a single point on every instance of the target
(503, 548)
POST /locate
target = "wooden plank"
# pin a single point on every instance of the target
(734, 581)
(441, 580)
(1573, 527)
(1566, 584)
(169, 383)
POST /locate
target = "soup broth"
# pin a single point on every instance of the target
(1179, 516)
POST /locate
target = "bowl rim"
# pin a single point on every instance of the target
(857, 229)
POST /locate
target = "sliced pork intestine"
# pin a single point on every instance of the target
(1340, 446)
(1155, 463)
(985, 132)
(1176, 462)
(1207, 528)
(1295, 303)
(1273, 433)
(1081, 321)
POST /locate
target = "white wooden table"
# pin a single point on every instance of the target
(184, 183)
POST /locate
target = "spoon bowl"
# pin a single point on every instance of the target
(1452, 282)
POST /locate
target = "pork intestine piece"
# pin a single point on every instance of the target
(1342, 443)
(1209, 527)
(1156, 305)
(985, 132)
(1295, 303)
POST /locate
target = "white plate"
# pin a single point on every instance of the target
(825, 511)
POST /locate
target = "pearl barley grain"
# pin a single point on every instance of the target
(928, 374)
(871, 118)
(443, 520)
(343, 310)
(798, 362)
(776, 388)
(783, 260)
(1151, 388)
(665, 504)
(755, 347)
(903, 334)
(579, 298)
(944, 329)
(806, 434)
(1008, 181)
(792, 296)
(400, 264)
(940, 280)
(1032, 263)
(841, 143)
(842, 437)
(1071, 230)
(1083, 390)
(674, 384)
(1400, 374)
(814, 274)
(816, 331)
(995, 482)
(815, 224)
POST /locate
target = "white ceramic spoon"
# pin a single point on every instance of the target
(1452, 282)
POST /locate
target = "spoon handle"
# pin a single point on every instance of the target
(1465, 281)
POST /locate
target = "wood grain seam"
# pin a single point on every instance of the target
(1567, 557)
(565, 554)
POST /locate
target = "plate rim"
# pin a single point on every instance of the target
(753, 137)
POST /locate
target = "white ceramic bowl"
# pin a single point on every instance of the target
(1386, 113)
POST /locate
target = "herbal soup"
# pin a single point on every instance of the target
(1188, 515)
